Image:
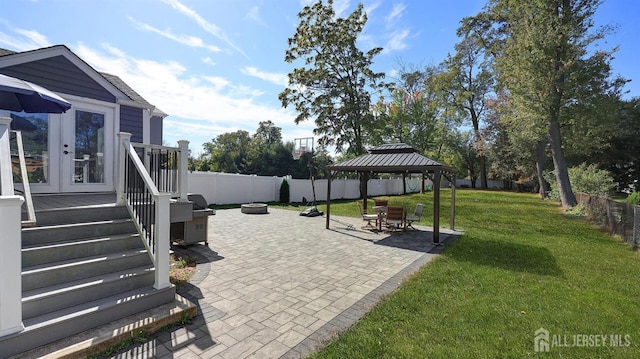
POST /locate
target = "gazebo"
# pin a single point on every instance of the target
(397, 158)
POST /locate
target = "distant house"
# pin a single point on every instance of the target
(75, 151)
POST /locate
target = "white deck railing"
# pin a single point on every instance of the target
(26, 188)
(148, 207)
(11, 241)
(167, 167)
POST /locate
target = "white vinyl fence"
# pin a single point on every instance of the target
(226, 188)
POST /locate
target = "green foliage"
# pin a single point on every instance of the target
(584, 178)
(284, 192)
(556, 85)
(520, 265)
(413, 112)
(633, 198)
(135, 336)
(334, 81)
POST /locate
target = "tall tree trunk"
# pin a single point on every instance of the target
(483, 172)
(567, 197)
(479, 144)
(541, 160)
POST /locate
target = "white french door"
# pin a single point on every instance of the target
(69, 152)
(86, 149)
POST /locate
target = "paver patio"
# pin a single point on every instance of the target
(280, 285)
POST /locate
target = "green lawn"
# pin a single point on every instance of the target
(521, 264)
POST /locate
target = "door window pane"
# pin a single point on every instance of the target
(89, 147)
(34, 128)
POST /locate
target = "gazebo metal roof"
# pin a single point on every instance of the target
(396, 158)
(391, 158)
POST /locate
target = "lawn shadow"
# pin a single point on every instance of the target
(420, 240)
(506, 255)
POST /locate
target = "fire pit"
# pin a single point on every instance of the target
(254, 208)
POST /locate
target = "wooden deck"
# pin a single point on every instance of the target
(54, 201)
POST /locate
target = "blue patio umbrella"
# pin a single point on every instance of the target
(19, 95)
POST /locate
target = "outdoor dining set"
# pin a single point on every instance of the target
(393, 218)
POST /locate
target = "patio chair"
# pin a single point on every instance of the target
(415, 217)
(395, 220)
(379, 202)
(368, 218)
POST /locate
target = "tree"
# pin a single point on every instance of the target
(334, 82)
(267, 155)
(413, 112)
(468, 82)
(460, 152)
(228, 152)
(622, 158)
(540, 47)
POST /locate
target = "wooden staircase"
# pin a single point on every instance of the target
(82, 267)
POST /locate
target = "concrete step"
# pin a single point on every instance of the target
(51, 217)
(48, 299)
(49, 274)
(50, 327)
(41, 235)
(66, 250)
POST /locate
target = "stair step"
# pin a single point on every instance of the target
(50, 217)
(70, 249)
(48, 299)
(49, 327)
(75, 269)
(52, 234)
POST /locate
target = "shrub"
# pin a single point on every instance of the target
(587, 179)
(284, 191)
(634, 198)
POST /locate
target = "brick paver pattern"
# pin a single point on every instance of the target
(279, 285)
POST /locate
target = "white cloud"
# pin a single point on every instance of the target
(187, 40)
(275, 78)
(22, 40)
(204, 24)
(396, 41)
(254, 15)
(395, 14)
(370, 8)
(208, 61)
(199, 107)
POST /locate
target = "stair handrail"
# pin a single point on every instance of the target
(26, 188)
(148, 207)
(10, 255)
(167, 166)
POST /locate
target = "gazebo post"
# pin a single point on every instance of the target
(329, 197)
(453, 201)
(404, 182)
(436, 207)
(365, 189)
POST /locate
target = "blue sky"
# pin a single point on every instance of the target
(217, 66)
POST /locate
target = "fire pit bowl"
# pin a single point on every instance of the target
(254, 208)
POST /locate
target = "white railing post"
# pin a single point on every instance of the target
(6, 172)
(183, 169)
(161, 236)
(11, 265)
(124, 139)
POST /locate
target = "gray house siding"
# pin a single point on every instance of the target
(131, 121)
(60, 75)
(155, 130)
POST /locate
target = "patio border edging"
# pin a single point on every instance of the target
(348, 317)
